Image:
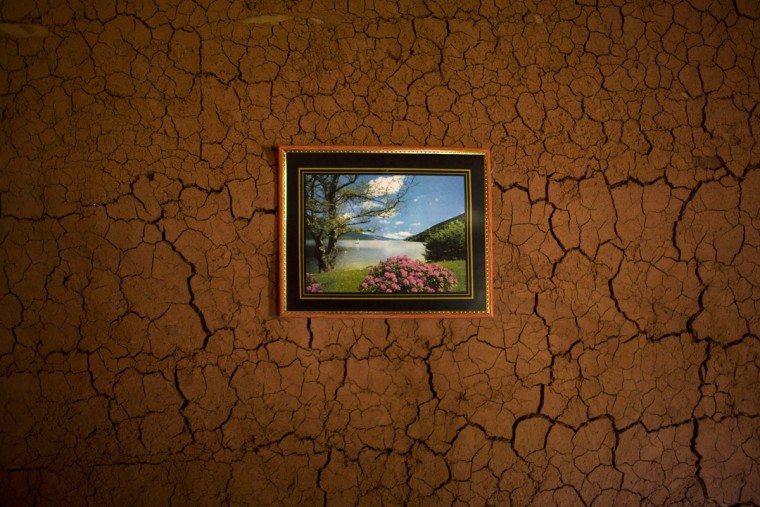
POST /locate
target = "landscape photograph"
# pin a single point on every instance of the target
(384, 233)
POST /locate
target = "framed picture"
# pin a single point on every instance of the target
(385, 232)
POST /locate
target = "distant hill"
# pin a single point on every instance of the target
(361, 235)
(352, 235)
(422, 236)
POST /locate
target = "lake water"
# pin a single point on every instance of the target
(356, 254)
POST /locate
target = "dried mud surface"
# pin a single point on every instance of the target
(141, 358)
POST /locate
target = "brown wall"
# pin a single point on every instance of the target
(141, 359)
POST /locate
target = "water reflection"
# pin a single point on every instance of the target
(356, 254)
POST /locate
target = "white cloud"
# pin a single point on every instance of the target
(398, 222)
(397, 235)
(385, 185)
(416, 224)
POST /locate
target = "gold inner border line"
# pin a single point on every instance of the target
(467, 173)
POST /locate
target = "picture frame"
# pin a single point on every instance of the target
(385, 232)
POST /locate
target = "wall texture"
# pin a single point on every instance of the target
(141, 358)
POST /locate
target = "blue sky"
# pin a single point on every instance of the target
(430, 200)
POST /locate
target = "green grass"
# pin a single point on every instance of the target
(341, 281)
(349, 280)
(460, 272)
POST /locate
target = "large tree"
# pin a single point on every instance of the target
(336, 204)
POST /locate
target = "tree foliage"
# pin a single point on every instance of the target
(447, 243)
(336, 204)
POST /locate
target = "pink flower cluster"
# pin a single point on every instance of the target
(312, 287)
(402, 275)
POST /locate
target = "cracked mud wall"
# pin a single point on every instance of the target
(141, 358)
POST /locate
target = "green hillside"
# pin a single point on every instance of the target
(422, 236)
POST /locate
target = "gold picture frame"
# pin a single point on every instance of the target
(385, 232)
